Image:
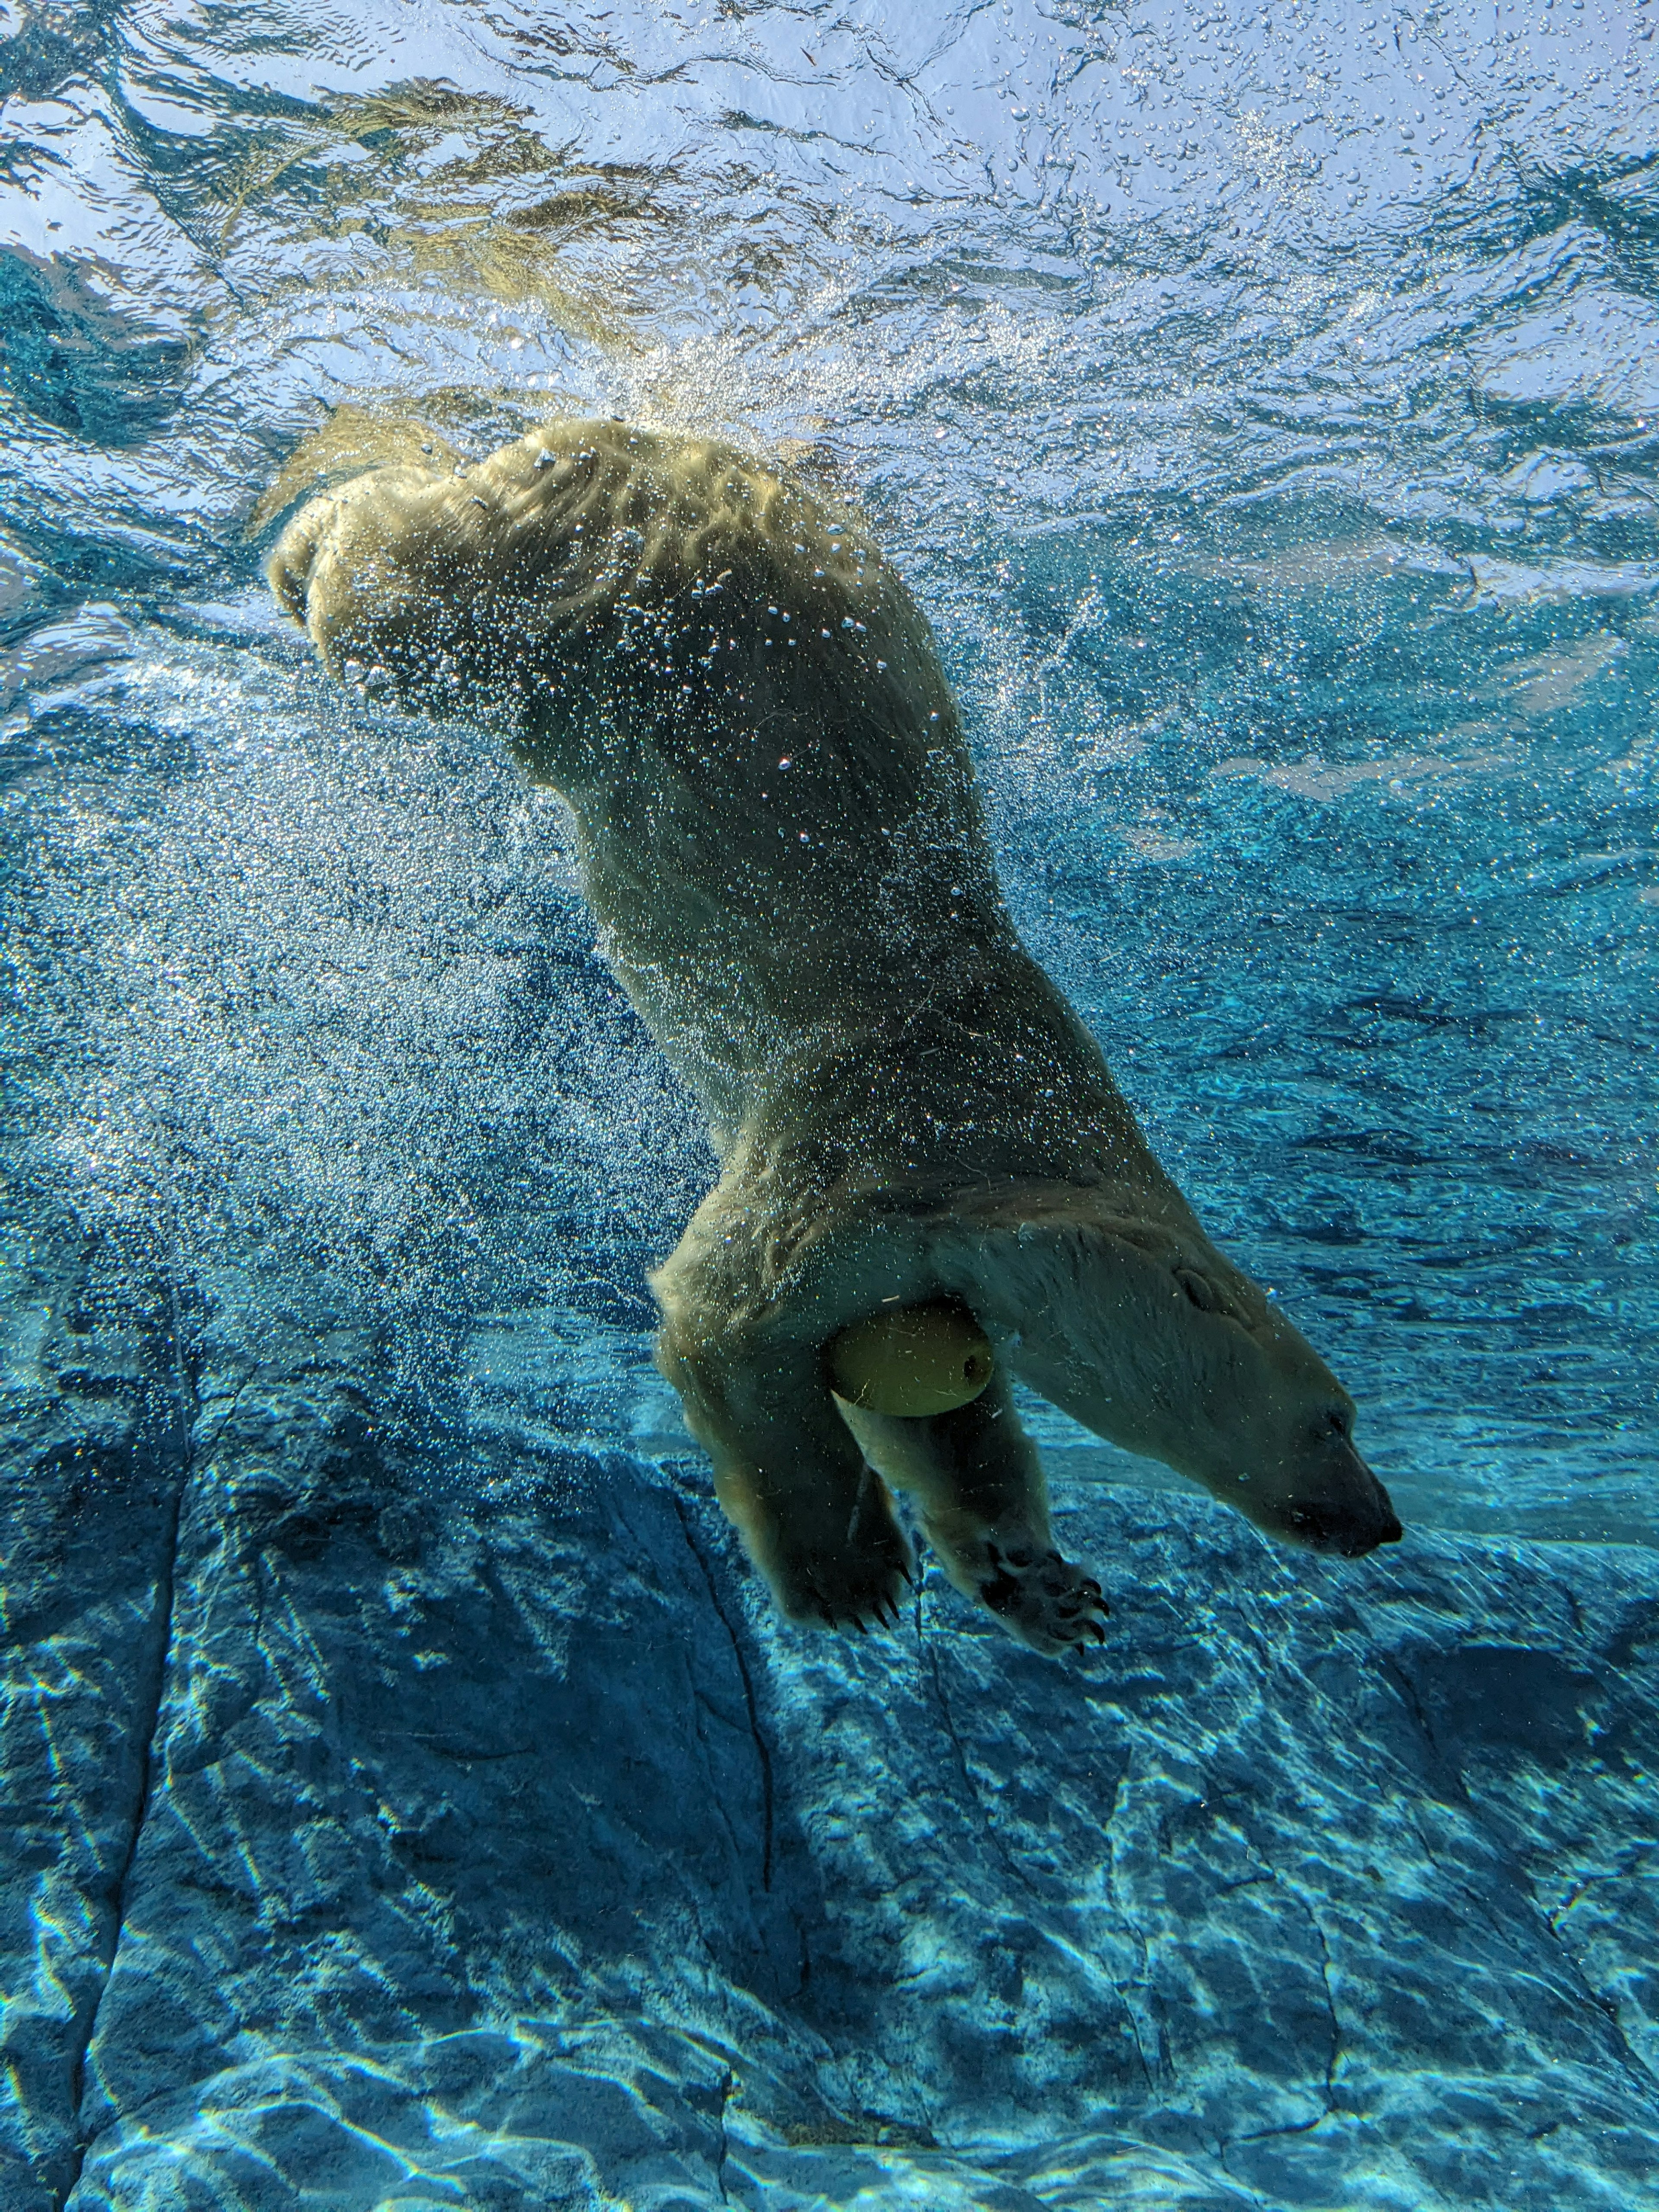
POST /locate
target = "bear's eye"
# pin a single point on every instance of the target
(1200, 1290)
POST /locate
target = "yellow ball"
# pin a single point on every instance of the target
(911, 1360)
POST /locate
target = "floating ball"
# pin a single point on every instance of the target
(912, 1361)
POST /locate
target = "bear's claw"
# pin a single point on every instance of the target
(813, 1607)
(1044, 1600)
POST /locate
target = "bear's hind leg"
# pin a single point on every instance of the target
(978, 1484)
(817, 1520)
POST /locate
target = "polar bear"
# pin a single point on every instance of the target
(777, 826)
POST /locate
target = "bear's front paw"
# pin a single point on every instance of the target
(845, 1588)
(1042, 1599)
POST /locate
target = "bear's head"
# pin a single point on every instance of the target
(1265, 1425)
(1147, 1333)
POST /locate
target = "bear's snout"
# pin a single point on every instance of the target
(1348, 1511)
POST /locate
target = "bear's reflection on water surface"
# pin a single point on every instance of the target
(778, 829)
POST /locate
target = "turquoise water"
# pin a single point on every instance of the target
(1263, 404)
(1265, 411)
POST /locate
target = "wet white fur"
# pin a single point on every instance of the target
(778, 829)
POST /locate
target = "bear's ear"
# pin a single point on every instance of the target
(1206, 1296)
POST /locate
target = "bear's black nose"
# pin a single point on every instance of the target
(1384, 1522)
(1352, 1514)
(1351, 1535)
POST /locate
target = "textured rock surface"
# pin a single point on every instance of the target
(379, 1841)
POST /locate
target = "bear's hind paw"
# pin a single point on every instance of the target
(1044, 1600)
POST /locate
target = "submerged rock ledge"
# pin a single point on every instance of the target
(374, 1844)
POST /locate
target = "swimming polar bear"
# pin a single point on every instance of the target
(777, 827)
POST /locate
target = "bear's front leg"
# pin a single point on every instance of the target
(978, 1484)
(815, 1518)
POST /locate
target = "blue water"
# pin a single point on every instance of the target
(1265, 408)
(1263, 404)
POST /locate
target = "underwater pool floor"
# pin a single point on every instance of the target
(504, 1849)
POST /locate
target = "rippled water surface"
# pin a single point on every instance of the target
(1264, 403)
